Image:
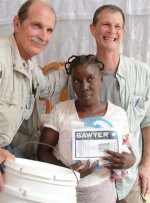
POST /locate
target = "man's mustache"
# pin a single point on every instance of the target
(35, 39)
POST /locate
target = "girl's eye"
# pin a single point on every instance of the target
(90, 79)
(75, 81)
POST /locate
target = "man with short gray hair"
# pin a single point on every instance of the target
(22, 82)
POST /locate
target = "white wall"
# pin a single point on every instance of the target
(72, 35)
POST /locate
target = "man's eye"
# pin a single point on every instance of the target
(50, 30)
(35, 26)
(106, 24)
(118, 27)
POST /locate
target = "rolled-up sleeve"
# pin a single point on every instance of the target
(146, 120)
(53, 83)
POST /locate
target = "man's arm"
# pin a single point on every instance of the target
(144, 169)
(53, 83)
(0, 74)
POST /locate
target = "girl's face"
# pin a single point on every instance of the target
(86, 82)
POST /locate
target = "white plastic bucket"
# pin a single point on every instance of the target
(33, 181)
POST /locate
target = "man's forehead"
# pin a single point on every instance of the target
(110, 13)
(41, 15)
(38, 7)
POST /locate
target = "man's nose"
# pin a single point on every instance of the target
(112, 29)
(44, 35)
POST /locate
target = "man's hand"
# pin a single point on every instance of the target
(144, 168)
(4, 154)
(144, 176)
(1, 183)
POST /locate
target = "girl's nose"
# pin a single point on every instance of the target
(85, 85)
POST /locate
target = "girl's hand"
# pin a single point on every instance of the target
(84, 168)
(117, 160)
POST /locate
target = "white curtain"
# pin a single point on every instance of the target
(72, 35)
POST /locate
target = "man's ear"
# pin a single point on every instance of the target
(16, 23)
(124, 31)
(92, 29)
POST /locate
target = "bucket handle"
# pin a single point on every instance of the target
(48, 145)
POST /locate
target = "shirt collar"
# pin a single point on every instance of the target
(121, 68)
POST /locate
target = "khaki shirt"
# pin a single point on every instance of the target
(14, 90)
(134, 82)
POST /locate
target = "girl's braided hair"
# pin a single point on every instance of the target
(74, 61)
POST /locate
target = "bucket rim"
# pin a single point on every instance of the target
(42, 169)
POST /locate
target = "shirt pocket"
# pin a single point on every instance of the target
(137, 108)
(9, 98)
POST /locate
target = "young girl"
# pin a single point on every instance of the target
(95, 186)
